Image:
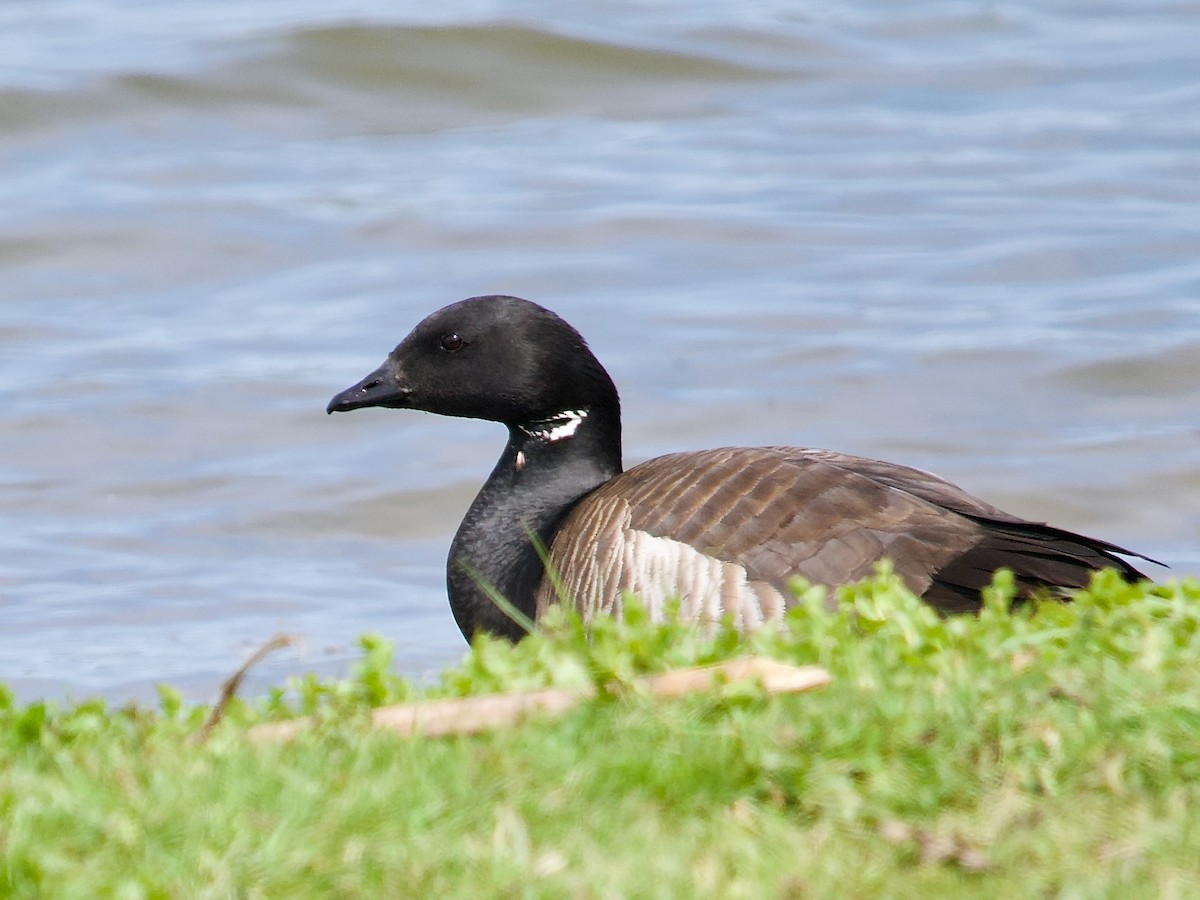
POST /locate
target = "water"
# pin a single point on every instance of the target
(964, 236)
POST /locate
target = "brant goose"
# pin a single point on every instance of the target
(724, 530)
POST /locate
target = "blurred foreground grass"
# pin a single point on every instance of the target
(1053, 750)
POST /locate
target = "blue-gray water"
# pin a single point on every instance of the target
(964, 236)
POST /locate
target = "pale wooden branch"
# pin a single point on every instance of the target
(469, 715)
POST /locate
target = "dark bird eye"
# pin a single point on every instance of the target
(452, 342)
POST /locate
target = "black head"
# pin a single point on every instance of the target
(498, 358)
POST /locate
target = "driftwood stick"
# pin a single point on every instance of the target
(469, 715)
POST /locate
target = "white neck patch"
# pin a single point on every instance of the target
(558, 427)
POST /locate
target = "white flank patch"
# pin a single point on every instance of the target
(604, 557)
(660, 569)
(657, 569)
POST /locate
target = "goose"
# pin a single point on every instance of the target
(722, 530)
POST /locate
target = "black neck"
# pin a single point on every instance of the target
(538, 480)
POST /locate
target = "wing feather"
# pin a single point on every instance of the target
(744, 521)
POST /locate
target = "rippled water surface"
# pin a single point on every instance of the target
(965, 236)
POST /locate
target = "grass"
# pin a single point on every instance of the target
(1049, 751)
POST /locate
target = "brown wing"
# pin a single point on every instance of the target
(726, 529)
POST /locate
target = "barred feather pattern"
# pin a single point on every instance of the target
(725, 530)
